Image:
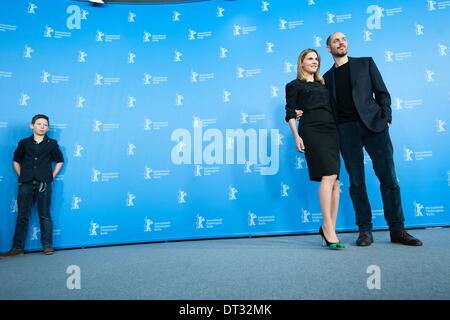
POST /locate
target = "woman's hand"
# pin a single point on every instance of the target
(299, 144)
(298, 113)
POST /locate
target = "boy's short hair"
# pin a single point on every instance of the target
(39, 116)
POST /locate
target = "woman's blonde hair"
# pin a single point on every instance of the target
(300, 74)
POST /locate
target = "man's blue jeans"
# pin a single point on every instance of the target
(353, 137)
(28, 194)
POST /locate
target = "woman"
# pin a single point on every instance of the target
(317, 137)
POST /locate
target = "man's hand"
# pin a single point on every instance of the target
(298, 113)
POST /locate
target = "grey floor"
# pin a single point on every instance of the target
(288, 267)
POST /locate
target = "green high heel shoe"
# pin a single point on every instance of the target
(332, 245)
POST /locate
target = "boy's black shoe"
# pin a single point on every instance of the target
(48, 251)
(14, 252)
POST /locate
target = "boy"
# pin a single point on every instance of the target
(33, 165)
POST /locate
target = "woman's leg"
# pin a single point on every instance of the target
(335, 202)
(326, 197)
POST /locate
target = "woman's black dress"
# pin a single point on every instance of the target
(317, 126)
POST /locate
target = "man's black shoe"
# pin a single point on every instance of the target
(365, 239)
(405, 238)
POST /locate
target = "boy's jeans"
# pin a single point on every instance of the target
(28, 193)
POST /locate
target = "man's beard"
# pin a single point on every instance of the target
(340, 54)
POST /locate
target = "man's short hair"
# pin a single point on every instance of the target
(329, 39)
(39, 116)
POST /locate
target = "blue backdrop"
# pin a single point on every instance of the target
(171, 117)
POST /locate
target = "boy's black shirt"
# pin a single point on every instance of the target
(36, 159)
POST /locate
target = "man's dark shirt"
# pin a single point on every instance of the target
(35, 159)
(346, 110)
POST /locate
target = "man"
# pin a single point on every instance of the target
(362, 106)
(33, 159)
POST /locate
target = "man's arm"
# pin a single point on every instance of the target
(382, 96)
